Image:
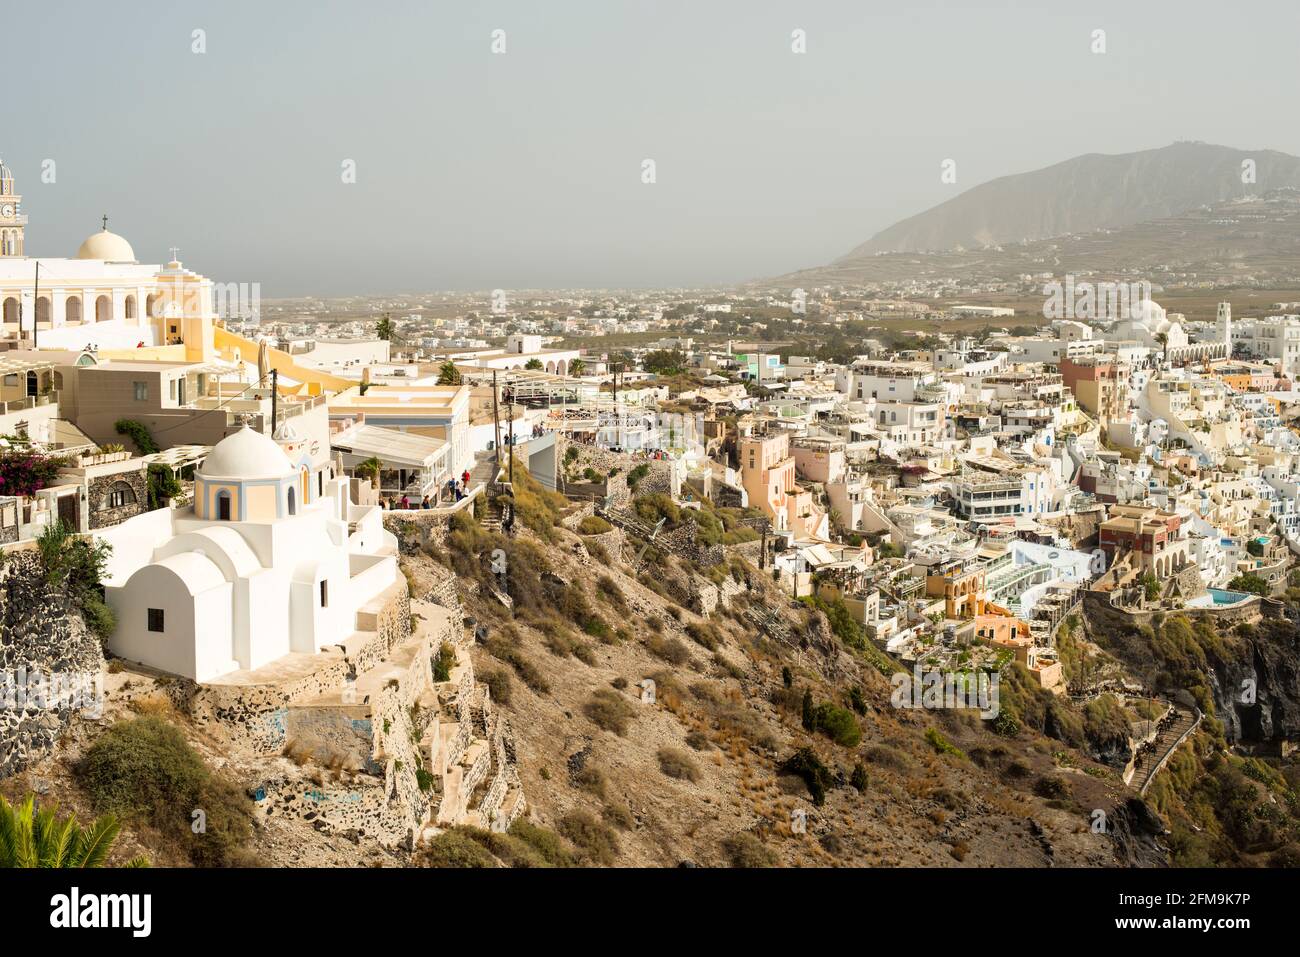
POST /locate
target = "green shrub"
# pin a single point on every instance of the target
(545, 842)
(1246, 582)
(595, 839)
(512, 850)
(942, 744)
(444, 662)
(454, 848)
(805, 764)
(843, 625)
(163, 486)
(594, 525)
(75, 565)
(138, 433)
(838, 724)
(144, 770)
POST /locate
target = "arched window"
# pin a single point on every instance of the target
(103, 309)
(11, 310)
(119, 495)
(223, 506)
(293, 501)
(72, 309)
(43, 309)
(130, 307)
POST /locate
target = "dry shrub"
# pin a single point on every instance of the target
(676, 763)
(746, 850)
(609, 710)
(669, 649)
(593, 838)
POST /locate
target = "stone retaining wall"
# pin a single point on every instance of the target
(255, 716)
(41, 632)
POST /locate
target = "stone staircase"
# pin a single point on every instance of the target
(1151, 761)
(470, 752)
(429, 754)
(771, 624)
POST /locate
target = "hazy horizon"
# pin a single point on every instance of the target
(476, 170)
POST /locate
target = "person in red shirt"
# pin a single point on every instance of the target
(465, 478)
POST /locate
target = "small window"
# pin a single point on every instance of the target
(223, 506)
(324, 594)
(156, 619)
(141, 391)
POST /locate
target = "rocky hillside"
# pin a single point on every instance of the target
(722, 762)
(1228, 796)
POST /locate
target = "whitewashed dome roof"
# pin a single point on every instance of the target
(1149, 313)
(246, 455)
(107, 246)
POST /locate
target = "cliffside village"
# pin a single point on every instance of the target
(960, 499)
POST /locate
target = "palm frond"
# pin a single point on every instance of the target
(25, 844)
(8, 834)
(62, 843)
(95, 842)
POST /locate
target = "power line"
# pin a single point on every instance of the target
(217, 408)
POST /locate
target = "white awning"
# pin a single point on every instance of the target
(393, 448)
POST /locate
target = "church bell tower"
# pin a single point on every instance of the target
(12, 221)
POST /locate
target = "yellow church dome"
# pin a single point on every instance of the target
(107, 246)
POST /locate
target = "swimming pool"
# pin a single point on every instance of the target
(1219, 598)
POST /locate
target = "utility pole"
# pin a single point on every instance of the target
(36, 305)
(496, 427)
(618, 425)
(275, 399)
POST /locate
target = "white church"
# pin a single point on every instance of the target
(103, 295)
(272, 559)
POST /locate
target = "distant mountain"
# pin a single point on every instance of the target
(1089, 192)
(1251, 241)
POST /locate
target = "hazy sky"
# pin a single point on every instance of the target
(477, 171)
